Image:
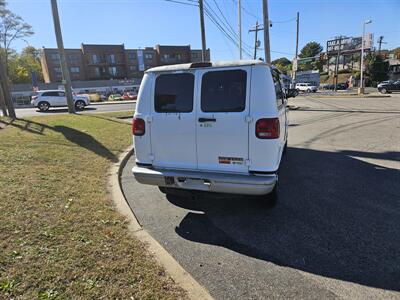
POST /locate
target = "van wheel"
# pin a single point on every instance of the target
(43, 106)
(163, 189)
(284, 149)
(272, 197)
(308, 91)
(383, 91)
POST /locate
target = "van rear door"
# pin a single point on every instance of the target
(172, 121)
(222, 119)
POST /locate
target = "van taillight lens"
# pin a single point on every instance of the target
(138, 127)
(267, 128)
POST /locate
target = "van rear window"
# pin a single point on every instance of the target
(174, 93)
(224, 91)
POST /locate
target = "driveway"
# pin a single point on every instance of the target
(335, 232)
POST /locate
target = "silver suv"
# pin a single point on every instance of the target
(43, 100)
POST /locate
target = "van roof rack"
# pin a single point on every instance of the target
(202, 64)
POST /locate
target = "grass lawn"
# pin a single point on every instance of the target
(60, 237)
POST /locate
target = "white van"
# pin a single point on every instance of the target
(218, 127)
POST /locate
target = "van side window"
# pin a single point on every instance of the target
(174, 93)
(278, 88)
(224, 91)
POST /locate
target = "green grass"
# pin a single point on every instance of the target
(60, 237)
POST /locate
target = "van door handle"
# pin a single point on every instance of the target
(202, 120)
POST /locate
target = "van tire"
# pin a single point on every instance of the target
(163, 189)
(284, 149)
(272, 198)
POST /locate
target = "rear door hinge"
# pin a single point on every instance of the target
(247, 162)
(149, 119)
(151, 157)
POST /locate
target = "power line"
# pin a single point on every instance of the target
(181, 2)
(223, 30)
(229, 29)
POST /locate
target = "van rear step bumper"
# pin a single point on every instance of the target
(207, 181)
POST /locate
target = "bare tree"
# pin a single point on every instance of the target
(12, 27)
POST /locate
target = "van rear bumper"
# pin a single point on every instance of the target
(207, 181)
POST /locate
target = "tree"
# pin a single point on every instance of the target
(21, 66)
(376, 68)
(12, 27)
(283, 64)
(311, 49)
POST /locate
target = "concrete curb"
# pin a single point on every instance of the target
(112, 102)
(173, 268)
(348, 96)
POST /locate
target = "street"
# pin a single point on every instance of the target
(92, 108)
(335, 232)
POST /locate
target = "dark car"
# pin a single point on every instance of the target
(342, 86)
(389, 87)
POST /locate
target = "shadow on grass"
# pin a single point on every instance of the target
(77, 137)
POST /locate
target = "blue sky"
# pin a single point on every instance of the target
(140, 23)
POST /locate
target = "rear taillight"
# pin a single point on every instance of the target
(138, 127)
(267, 128)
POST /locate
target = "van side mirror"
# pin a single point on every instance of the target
(291, 93)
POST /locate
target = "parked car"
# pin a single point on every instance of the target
(389, 87)
(115, 97)
(306, 87)
(341, 86)
(385, 82)
(217, 127)
(45, 99)
(129, 96)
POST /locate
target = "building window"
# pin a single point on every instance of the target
(132, 68)
(95, 59)
(97, 72)
(112, 71)
(57, 69)
(148, 56)
(73, 57)
(75, 70)
(111, 59)
(131, 56)
(55, 56)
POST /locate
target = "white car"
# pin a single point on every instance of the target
(306, 87)
(218, 127)
(43, 100)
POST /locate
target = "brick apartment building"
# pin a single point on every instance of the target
(99, 62)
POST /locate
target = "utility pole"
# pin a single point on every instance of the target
(380, 42)
(266, 32)
(64, 68)
(297, 47)
(203, 31)
(256, 29)
(240, 28)
(337, 62)
(6, 90)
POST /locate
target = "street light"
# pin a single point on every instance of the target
(361, 88)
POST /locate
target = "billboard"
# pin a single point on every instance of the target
(349, 44)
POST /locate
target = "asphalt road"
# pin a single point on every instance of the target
(335, 232)
(93, 108)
